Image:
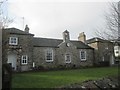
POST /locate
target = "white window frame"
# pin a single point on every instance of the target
(11, 41)
(49, 50)
(67, 54)
(82, 59)
(22, 59)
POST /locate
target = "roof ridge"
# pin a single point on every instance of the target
(56, 39)
(14, 28)
(16, 31)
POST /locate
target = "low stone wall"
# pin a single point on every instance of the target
(104, 83)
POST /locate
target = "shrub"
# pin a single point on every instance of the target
(37, 68)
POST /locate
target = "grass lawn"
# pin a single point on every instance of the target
(51, 79)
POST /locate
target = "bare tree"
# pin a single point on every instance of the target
(110, 31)
(4, 20)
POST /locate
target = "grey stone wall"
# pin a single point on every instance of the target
(64, 49)
(25, 42)
(40, 60)
(59, 56)
(103, 50)
(106, 50)
(89, 58)
(75, 55)
(96, 52)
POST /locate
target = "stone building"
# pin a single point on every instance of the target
(18, 49)
(103, 51)
(24, 51)
(66, 52)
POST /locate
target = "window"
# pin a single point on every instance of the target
(13, 40)
(83, 55)
(49, 55)
(67, 58)
(24, 59)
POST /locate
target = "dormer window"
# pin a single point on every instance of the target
(13, 41)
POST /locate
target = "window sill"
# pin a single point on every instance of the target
(67, 62)
(83, 60)
(49, 61)
(23, 64)
(13, 44)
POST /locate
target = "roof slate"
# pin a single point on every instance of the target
(81, 45)
(46, 42)
(16, 31)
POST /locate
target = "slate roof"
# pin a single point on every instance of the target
(96, 39)
(46, 42)
(16, 31)
(80, 44)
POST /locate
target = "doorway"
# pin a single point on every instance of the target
(12, 59)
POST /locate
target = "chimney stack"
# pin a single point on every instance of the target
(82, 37)
(27, 29)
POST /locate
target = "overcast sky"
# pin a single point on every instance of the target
(49, 18)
